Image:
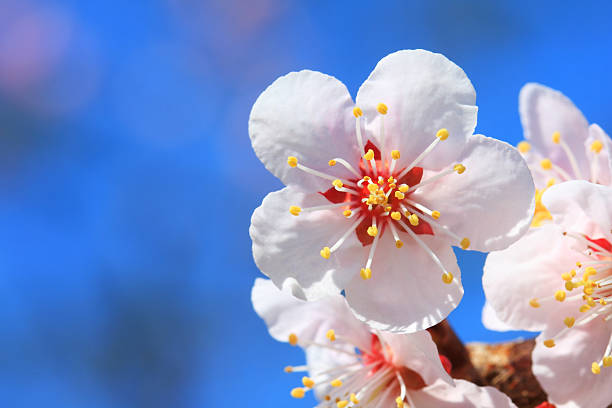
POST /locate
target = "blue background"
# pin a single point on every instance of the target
(127, 179)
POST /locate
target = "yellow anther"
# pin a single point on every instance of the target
(357, 111)
(373, 188)
(549, 343)
(392, 186)
(331, 335)
(569, 321)
(435, 215)
(459, 168)
(366, 273)
(534, 303)
(591, 302)
(556, 137)
(347, 213)
(602, 302)
(325, 252)
(523, 147)
(569, 285)
(396, 215)
(295, 210)
(588, 291)
(578, 264)
(292, 161)
(327, 398)
(414, 220)
(399, 244)
(589, 271)
(560, 295)
(400, 402)
(596, 146)
(404, 188)
(388, 208)
(546, 164)
(342, 404)
(447, 277)
(382, 108)
(465, 243)
(366, 178)
(442, 134)
(566, 276)
(372, 231)
(550, 182)
(293, 339)
(308, 382)
(337, 183)
(369, 155)
(354, 399)
(595, 368)
(607, 361)
(584, 308)
(395, 154)
(336, 383)
(332, 162)
(399, 195)
(298, 392)
(288, 369)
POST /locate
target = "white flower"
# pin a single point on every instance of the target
(378, 192)
(558, 279)
(349, 365)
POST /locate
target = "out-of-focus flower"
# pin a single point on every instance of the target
(378, 192)
(350, 365)
(558, 279)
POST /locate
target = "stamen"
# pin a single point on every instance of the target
(395, 155)
(293, 162)
(345, 164)
(298, 392)
(345, 235)
(441, 135)
(523, 147)
(297, 209)
(547, 164)
(398, 242)
(438, 176)
(568, 152)
(366, 273)
(358, 113)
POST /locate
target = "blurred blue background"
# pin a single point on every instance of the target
(127, 179)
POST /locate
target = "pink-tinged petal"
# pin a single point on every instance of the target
(284, 314)
(530, 269)
(406, 292)
(286, 248)
(491, 321)
(308, 115)
(600, 162)
(545, 111)
(564, 371)
(320, 360)
(418, 352)
(424, 92)
(463, 395)
(491, 202)
(580, 207)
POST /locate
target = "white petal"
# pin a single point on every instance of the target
(564, 371)
(284, 314)
(603, 166)
(321, 359)
(544, 111)
(580, 206)
(286, 248)
(308, 115)
(406, 292)
(531, 268)
(491, 321)
(424, 92)
(463, 395)
(492, 202)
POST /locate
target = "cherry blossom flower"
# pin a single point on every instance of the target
(378, 191)
(558, 279)
(349, 364)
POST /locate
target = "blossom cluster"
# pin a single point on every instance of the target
(358, 245)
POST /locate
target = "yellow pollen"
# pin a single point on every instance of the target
(546, 164)
(442, 134)
(595, 368)
(382, 108)
(588, 291)
(607, 361)
(591, 302)
(373, 188)
(414, 220)
(292, 161)
(388, 208)
(569, 285)
(447, 277)
(404, 188)
(556, 137)
(325, 252)
(307, 381)
(392, 186)
(347, 213)
(395, 154)
(293, 339)
(596, 146)
(366, 273)
(459, 168)
(288, 369)
(560, 295)
(336, 383)
(297, 393)
(589, 271)
(342, 404)
(399, 244)
(369, 155)
(332, 162)
(372, 231)
(524, 147)
(549, 343)
(337, 183)
(584, 308)
(399, 195)
(578, 264)
(435, 215)
(354, 399)
(327, 398)
(400, 402)
(465, 243)
(366, 178)
(295, 210)
(534, 303)
(390, 179)
(602, 302)
(566, 276)
(331, 335)
(396, 215)
(550, 182)
(357, 111)
(569, 321)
